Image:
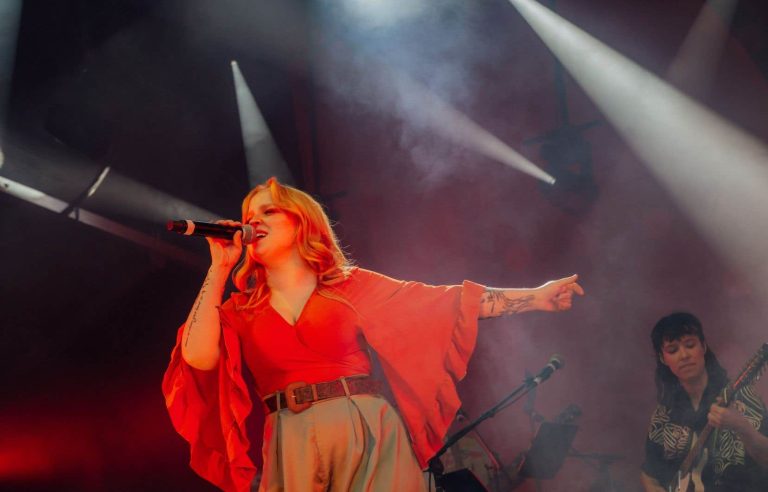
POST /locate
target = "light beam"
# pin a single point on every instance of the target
(48, 202)
(716, 171)
(694, 65)
(261, 153)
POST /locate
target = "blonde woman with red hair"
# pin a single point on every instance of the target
(302, 323)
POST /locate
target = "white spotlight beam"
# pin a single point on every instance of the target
(56, 171)
(425, 107)
(386, 88)
(126, 197)
(376, 14)
(455, 126)
(717, 172)
(53, 204)
(694, 65)
(261, 153)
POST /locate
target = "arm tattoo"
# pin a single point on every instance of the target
(193, 319)
(500, 304)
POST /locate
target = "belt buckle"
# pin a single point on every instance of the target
(290, 397)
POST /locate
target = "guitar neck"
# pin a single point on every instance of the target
(695, 450)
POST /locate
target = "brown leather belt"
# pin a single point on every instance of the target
(301, 395)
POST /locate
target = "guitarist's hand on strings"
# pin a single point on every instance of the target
(727, 418)
(732, 418)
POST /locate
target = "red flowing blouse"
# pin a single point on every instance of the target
(423, 336)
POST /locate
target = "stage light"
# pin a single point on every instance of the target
(262, 156)
(383, 13)
(48, 202)
(423, 109)
(569, 160)
(715, 170)
(694, 66)
(99, 179)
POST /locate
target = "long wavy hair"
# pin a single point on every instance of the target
(670, 328)
(316, 241)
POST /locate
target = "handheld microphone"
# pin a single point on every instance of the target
(555, 362)
(192, 228)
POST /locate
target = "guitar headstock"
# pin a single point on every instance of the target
(752, 370)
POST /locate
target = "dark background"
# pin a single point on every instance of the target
(88, 319)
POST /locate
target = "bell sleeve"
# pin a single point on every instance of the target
(209, 408)
(423, 336)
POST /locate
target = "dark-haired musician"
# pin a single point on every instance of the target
(689, 380)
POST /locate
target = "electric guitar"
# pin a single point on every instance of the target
(688, 477)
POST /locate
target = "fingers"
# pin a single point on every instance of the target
(563, 301)
(562, 291)
(569, 284)
(564, 305)
(577, 288)
(229, 222)
(714, 417)
(569, 280)
(570, 289)
(226, 252)
(226, 242)
(724, 418)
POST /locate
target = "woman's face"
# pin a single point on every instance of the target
(685, 357)
(274, 230)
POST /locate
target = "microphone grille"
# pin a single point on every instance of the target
(247, 234)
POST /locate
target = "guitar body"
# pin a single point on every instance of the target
(684, 485)
(696, 484)
(692, 481)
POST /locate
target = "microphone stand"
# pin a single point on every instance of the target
(530, 409)
(436, 466)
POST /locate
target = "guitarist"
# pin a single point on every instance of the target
(689, 380)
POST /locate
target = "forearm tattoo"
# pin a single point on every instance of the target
(193, 318)
(497, 303)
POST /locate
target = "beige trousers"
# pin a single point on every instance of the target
(347, 444)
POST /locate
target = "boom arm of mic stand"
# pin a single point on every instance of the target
(436, 467)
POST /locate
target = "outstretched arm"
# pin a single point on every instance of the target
(555, 295)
